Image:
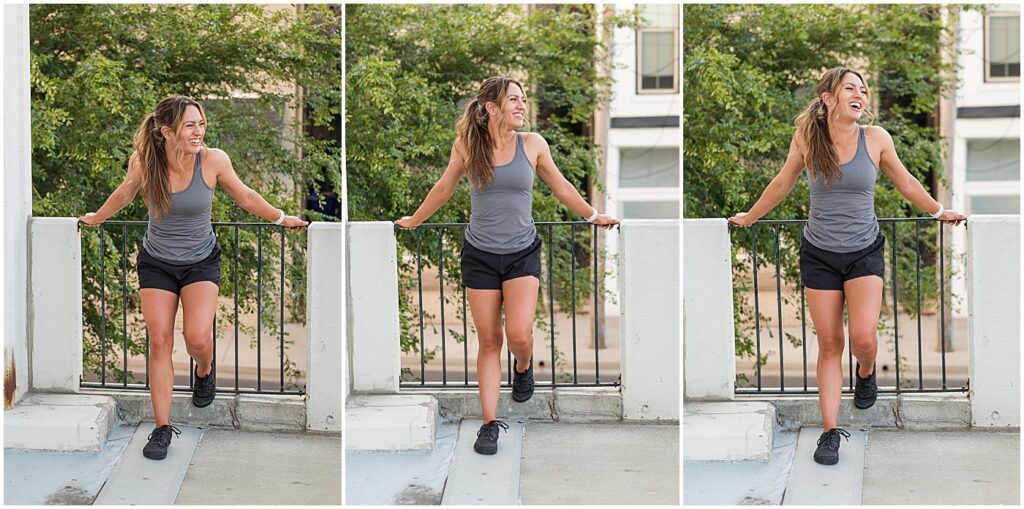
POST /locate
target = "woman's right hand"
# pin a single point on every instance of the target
(90, 219)
(407, 223)
(743, 219)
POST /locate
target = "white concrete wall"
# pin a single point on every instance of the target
(324, 296)
(16, 154)
(373, 326)
(649, 292)
(709, 353)
(993, 275)
(56, 307)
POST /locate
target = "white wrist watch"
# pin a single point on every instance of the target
(280, 219)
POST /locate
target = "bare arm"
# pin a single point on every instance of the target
(440, 193)
(777, 189)
(245, 197)
(563, 190)
(121, 197)
(906, 184)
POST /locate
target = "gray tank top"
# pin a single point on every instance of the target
(842, 216)
(184, 234)
(501, 220)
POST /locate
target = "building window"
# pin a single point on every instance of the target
(648, 183)
(992, 176)
(1002, 47)
(658, 49)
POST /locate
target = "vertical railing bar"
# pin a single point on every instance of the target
(280, 322)
(778, 294)
(419, 288)
(920, 360)
(124, 304)
(572, 257)
(895, 308)
(103, 309)
(597, 297)
(803, 332)
(942, 300)
(440, 268)
(757, 312)
(551, 301)
(147, 358)
(235, 269)
(465, 325)
(259, 308)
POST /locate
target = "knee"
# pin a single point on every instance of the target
(830, 345)
(161, 343)
(490, 342)
(864, 339)
(519, 338)
(198, 339)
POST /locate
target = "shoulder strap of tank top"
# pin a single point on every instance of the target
(861, 141)
(520, 149)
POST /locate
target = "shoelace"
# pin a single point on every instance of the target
(203, 385)
(520, 382)
(491, 429)
(163, 434)
(863, 390)
(832, 436)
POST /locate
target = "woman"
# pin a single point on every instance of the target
(501, 251)
(180, 258)
(841, 255)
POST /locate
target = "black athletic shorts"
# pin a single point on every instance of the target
(154, 273)
(828, 270)
(482, 270)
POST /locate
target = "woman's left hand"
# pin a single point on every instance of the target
(952, 217)
(605, 221)
(293, 224)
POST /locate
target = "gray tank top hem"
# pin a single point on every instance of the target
(842, 217)
(501, 220)
(184, 234)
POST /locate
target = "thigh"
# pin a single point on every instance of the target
(158, 310)
(826, 310)
(520, 301)
(863, 302)
(199, 303)
(485, 306)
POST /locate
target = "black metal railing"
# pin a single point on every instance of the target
(896, 264)
(570, 253)
(125, 237)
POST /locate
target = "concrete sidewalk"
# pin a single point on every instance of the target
(900, 467)
(560, 464)
(223, 467)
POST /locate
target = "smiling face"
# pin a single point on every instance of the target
(849, 99)
(515, 106)
(187, 139)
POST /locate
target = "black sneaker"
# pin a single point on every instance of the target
(828, 446)
(159, 440)
(866, 391)
(487, 437)
(204, 389)
(522, 383)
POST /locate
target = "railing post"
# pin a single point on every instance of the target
(373, 326)
(649, 293)
(993, 303)
(56, 305)
(709, 353)
(323, 295)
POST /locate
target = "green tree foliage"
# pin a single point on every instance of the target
(409, 71)
(96, 70)
(751, 69)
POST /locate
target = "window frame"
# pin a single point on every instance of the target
(674, 30)
(986, 31)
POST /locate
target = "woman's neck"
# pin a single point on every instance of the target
(842, 128)
(498, 138)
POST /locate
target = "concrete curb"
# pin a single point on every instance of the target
(578, 405)
(919, 412)
(249, 412)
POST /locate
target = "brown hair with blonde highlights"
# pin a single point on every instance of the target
(151, 149)
(812, 126)
(472, 128)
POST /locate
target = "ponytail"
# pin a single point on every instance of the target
(812, 127)
(473, 133)
(149, 145)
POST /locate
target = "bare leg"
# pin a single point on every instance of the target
(199, 305)
(826, 308)
(864, 304)
(485, 305)
(520, 305)
(158, 310)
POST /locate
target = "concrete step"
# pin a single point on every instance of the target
(137, 480)
(728, 431)
(813, 484)
(475, 479)
(391, 422)
(60, 422)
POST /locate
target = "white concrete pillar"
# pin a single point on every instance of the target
(16, 154)
(709, 353)
(56, 304)
(373, 326)
(649, 303)
(323, 291)
(993, 304)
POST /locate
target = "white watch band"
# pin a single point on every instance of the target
(592, 216)
(939, 212)
(280, 219)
